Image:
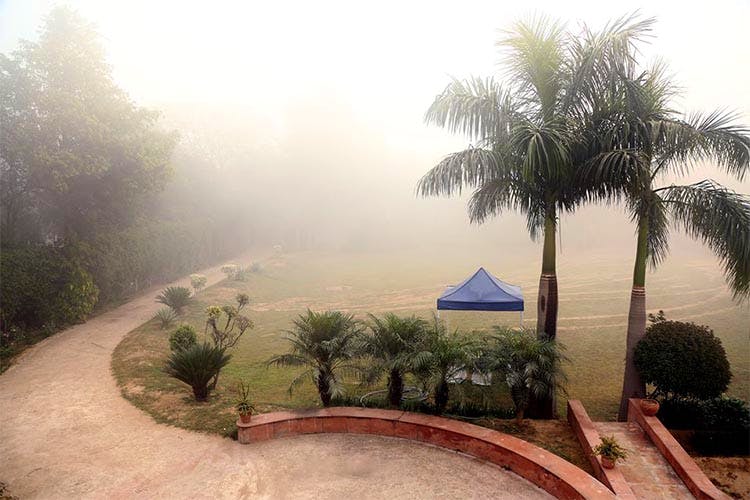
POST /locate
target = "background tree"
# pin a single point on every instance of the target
(531, 136)
(76, 154)
(644, 141)
(392, 346)
(325, 342)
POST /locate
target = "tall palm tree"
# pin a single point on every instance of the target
(530, 136)
(325, 342)
(393, 344)
(647, 141)
(445, 356)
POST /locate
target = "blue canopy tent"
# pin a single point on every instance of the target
(482, 292)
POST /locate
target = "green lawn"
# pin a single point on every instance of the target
(594, 295)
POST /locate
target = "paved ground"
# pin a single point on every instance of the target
(648, 473)
(65, 432)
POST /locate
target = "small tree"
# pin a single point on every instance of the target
(325, 343)
(392, 346)
(226, 325)
(445, 355)
(198, 281)
(682, 360)
(531, 366)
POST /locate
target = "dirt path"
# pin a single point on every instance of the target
(65, 432)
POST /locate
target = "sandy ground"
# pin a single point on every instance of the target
(65, 432)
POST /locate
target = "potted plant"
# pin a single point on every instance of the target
(244, 407)
(649, 406)
(610, 452)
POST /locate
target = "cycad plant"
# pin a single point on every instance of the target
(175, 297)
(647, 141)
(325, 343)
(165, 316)
(531, 136)
(197, 366)
(392, 346)
(530, 366)
(445, 355)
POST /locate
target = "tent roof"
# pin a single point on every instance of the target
(482, 292)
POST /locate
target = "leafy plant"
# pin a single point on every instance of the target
(244, 406)
(682, 359)
(324, 342)
(226, 325)
(183, 338)
(198, 281)
(530, 366)
(256, 268)
(610, 448)
(197, 366)
(236, 272)
(176, 297)
(393, 346)
(444, 356)
(165, 316)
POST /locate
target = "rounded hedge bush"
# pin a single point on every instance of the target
(183, 338)
(683, 359)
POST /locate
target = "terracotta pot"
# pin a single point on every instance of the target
(608, 463)
(245, 417)
(649, 407)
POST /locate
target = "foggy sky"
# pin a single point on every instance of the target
(325, 100)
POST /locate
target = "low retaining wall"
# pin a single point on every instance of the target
(685, 467)
(589, 437)
(548, 471)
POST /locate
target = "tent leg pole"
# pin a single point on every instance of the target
(521, 319)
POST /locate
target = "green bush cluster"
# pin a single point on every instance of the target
(721, 425)
(183, 338)
(41, 286)
(682, 360)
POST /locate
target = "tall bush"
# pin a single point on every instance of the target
(682, 360)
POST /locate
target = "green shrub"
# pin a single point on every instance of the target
(42, 287)
(165, 316)
(183, 338)
(176, 297)
(198, 281)
(197, 366)
(610, 448)
(682, 359)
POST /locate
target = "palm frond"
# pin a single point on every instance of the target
(721, 219)
(470, 167)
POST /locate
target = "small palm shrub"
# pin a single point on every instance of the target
(530, 366)
(165, 316)
(176, 297)
(197, 366)
(183, 338)
(682, 360)
(393, 345)
(198, 281)
(325, 343)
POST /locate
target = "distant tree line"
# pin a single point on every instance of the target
(90, 210)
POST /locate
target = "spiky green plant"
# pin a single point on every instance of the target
(176, 297)
(165, 316)
(197, 366)
(530, 366)
(392, 346)
(324, 342)
(183, 338)
(445, 354)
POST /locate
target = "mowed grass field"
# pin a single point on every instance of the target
(594, 296)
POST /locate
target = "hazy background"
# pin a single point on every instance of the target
(311, 112)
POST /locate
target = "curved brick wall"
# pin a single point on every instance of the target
(557, 476)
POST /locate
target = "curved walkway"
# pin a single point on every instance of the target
(65, 432)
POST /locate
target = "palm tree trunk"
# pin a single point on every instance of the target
(546, 318)
(395, 388)
(441, 397)
(324, 389)
(632, 385)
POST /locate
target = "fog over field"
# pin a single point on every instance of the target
(315, 110)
